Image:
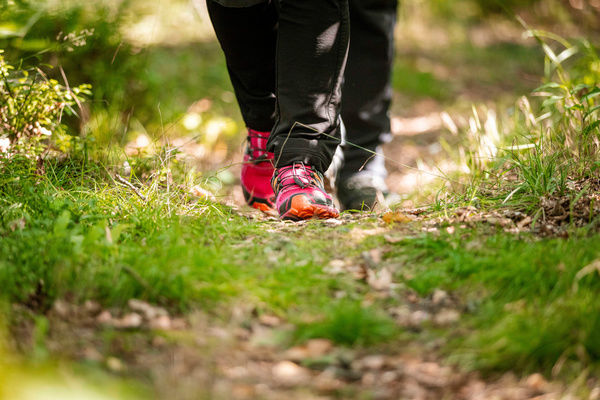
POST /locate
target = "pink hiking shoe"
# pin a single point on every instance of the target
(257, 172)
(300, 193)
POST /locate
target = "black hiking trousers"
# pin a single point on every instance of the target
(288, 61)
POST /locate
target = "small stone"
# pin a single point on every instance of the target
(129, 321)
(419, 317)
(104, 317)
(439, 297)
(536, 382)
(327, 381)
(162, 322)
(62, 308)
(373, 362)
(290, 374)
(402, 315)
(178, 324)
(368, 379)
(389, 377)
(446, 317)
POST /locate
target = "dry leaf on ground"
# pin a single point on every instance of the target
(391, 217)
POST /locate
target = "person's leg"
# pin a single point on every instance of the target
(312, 46)
(247, 36)
(366, 101)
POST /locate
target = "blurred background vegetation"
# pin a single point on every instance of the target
(158, 76)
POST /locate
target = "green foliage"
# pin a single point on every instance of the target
(566, 136)
(534, 153)
(32, 106)
(65, 33)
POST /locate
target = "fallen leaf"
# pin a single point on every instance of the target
(148, 310)
(358, 272)
(429, 374)
(524, 222)
(202, 193)
(314, 348)
(269, 320)
(391, 217)
(17, 224)
(335, 267)
(393, 239)
(379, 280)
(376, 255)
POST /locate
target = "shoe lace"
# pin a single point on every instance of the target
(257, 147)
(301, 175)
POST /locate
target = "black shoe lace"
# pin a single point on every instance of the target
(303, 172)
(263, 154)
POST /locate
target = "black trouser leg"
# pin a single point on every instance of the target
(312, 46)
(310, 57)
(367, 90)
(248, 36)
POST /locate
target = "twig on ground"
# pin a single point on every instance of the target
(128, 184)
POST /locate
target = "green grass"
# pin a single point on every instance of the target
(348, 323)
(411, 81)
(74, 233)
(525, 306)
